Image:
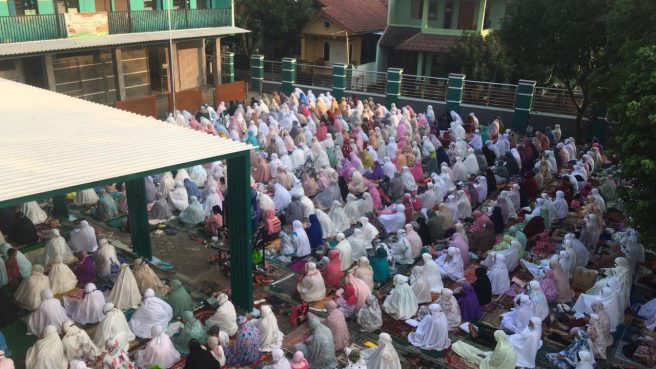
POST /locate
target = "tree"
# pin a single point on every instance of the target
(275, 25)
(558, 42)
(480, 58)
(631, 95)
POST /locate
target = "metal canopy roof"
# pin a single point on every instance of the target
(51, 144)
(35, 47)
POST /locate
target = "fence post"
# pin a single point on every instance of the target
(393, 90)
(288, 75)
(454, 91)
(339, 80)
(523, 103)
(228, 67)
(257, 72)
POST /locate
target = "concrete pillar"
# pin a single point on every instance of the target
(393, 90)
(46, 6)
(523, 103)
(87, 6)
(60, 207)
(480, 19)
(119, 79)
(424, 15)
(454, 91)
(49, 72)
(228, 67)
(137, 5)
(174, 67)
(241, 232)
(420, 63)
(257, 72)
(138, 217)
(339, 80)
(288, 75)
(20, 70)
(4, 8)
(216, 62)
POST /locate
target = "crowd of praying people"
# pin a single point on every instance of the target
(449, 214)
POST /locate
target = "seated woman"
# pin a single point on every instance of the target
(503, 356)
(153, 311)
(28, 294)
(451, 264)
(50, 313)
(23, 231)
(192, 214)
(47, 352)
(146, 278)
(432, 332)
(401, 303)
(214, 222)
(193, 330)
(159, 350)
(311, 286)
(106, 208)
(62, 279)
(89, 310)
(125, 293)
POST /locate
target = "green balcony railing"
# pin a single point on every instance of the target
(52, 26)
(32, 28)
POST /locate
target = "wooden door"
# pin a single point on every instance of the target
(121, 5)
(466, 15)
(103, 6)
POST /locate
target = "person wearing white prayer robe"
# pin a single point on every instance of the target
(339, 217)
(211, 200)
(565, 260)
(113, 325)
(62, 279)
(409, 184)
(450, 307)
(327, 225)
(561, 209)
(308, 206)
(267, 326)
(471, 163)
(225, 316)
(463, 206)
(401, 303)
(50, 313)
(432, 332)
(369, 232)
(389, 168)
(77, 344)
(538, 298)
(86, 197)
(28, 294)
(518, 317)
(311, 287)
(460, 173)
(345, 251)
(198, 174)
(527, 343)
(153, 311)
(89, 310)
(420, 285)
(300, 239)
(4, 278)
(429, 197)
(48, 352)
(609, 298)
(352, 208)
(383, 356)
(56, 246)
(181, 175)
(395, 221)
(432, 273)
(104, 258)
(178, 197)
(498, 274)
(599, 200)
(166, 184)
(33, 211)
(158, 351)
(83, 238)
(125, 293)
(451, 264)
(401, 249)
(510, 256)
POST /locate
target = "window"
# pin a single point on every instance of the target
(326, 51)
(179, 4)
(417, 9)
(350, 56)
(67, 6)
(448, 13)
(432, 9)
(150, 4)
(326, 24)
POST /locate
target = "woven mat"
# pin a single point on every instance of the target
(493, 318)
(298, 335)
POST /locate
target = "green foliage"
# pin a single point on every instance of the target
(482, 59)
(558, 42)
(631, 83)
(275, 25)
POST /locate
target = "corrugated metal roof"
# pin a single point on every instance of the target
(55, 143)
(34, 47)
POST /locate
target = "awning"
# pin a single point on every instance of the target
(53, 144)
(428, 43)
(36, 47)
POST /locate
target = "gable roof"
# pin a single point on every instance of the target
(357, 16)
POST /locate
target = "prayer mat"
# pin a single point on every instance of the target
(298, 335)
(117, 223)
(17, 338)
(493, 318)
(457, 362)
(622, 337)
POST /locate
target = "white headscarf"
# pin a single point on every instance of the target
(517, 319)
(300, 239)
(89, 310)
(33, 211)
(225, 316)
(267, 325)
(83, 238)
(152, 312)
(62, 279)
(49, 313)
(114, 325)
(339, 217)
(125, 293)
(498, 274)
(159, 350)
(281, 197)
(48, 352)
(56, 246)
(104, 257)
(527, 343)
(432, 332)
(28, 294)
(401, 303)
(312, 287)
(77, 344)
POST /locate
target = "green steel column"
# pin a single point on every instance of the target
(454, 91)
(393, 90)
(339, 80)
(46, 6)
(138, 217)
(60, 207)
(241, 233)
(87, 6)
(523, 103)
(4, 8)
(138, 5)
(257, 72)
(288, 75)
(228, 67)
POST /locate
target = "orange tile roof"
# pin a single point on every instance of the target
(357, 16)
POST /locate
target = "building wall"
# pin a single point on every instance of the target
(135, 72)
(399, 14)
(318, 27)
(497, 12)
(313, 49)
(190, 65)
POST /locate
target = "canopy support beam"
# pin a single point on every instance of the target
(238, 217)
(138, 217)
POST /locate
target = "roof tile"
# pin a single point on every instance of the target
(357, 16)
